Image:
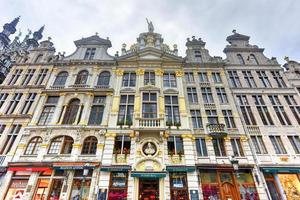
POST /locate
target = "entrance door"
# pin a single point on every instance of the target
(228, 189)
(149, 189)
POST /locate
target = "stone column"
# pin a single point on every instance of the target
(88, 102)
(109, 147)
(59, 109)
(36, 115)
(30, 189)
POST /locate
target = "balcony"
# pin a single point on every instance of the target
(150, 123)
(79, 86)
(56, 87)
(102, 86)
(216, 130)
(121, 158)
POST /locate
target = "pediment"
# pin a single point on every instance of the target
(149, 88)
(170, 91)
(127, 90)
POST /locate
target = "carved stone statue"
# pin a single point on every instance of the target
(150, 26)
(149, 149)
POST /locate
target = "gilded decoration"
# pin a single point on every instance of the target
(119, 72)
(159, 72)
(208, 138)
(244, 139)
(110, 134)
(179, 73)
(148, 165)
(140, 72)
(77, 145)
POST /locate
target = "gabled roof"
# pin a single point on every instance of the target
(237, 36)
(93, 40)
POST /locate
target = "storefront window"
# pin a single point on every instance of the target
(291, 185)
(81, 185)
(178, 183)
(16, 189)
(273, 190)
(118, 186)
(246, 186)
(42, 186)
(210, 186)
(55, 189)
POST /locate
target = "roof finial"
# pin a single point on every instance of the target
(234, 31)
(96, 33)
(150, 26)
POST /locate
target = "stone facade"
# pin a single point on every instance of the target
(150, 124)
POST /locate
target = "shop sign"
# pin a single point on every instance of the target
(124, 168)
(194, 195)
(30, 169)
(181, 168)
(148, 175)
(73, 166)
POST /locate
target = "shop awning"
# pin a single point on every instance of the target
(180, 168)
(116, 168)
(30, 169)
(74, 165)
(280, 169)
(149, 174)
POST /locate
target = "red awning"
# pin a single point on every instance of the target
(31, 169)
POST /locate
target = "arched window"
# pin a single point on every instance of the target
(38, 58)
(89, 145)
(253, 59)
(71, 111)
(33, 146)
(61, 145)
(61, 79)
(103, 79)
(240, 58)
(82, 77)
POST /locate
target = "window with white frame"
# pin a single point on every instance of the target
(277, 144)
(192, 95)
(278, 79)
(33, 146)
(212, 116)
(172, 110)
(246, 110)
(15, 76)
(219, 147)
(10, 138)
(237, 147)
(201, 147)
(13, 103)
(28, 103)
(279, 110)
(97, 110)
(198, 56)
(149, 107)
(61, 79)
(217, 77)
(229, 119)
(48, 110)
(249, 79)
(28, 76)
(262, 110)
(61, 145)
(234, 79)
(104, 79)
(189, 77)
(3, 97)
(203, 78)
(222, 95)
(82, 77)
(149, 78)
(126, 110)
(175, 145)
(170, 80)
(41, 76)
(196, 119)
(262, 76)
(290, 100)
(129, 79)
(122, 145)
(89, 53)
(259, 144)
(207, 95)
(295, 141)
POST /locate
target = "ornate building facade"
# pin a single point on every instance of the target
(150, 124)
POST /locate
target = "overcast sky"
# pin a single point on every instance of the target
(271, 24)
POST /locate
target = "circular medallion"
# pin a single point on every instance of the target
(149, 149)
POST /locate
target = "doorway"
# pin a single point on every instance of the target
(148, 189)
(228, 186)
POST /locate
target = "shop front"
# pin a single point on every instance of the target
(282, 182)
(226, 184)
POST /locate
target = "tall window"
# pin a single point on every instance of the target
(229, 119)
(279, 110)
(149, 105)
(89, 145)
(122, 145)
(129, 79)
(295, 142)
(90, 53)
(10, 138)
(3, 97)
(2, 128)
(249, 79)
(237, 147)
(264, 79)
(212, 116)
(172, 110)
(169, 80)
(28, 76)
(82, 77)
(48, 110)
(41, 76)
(207, 95)
(118, 185)
(262, 110)
(240, 58)
(126, 109)
(61, 79)
(290, 100)
(97, 110)
(28, 103)
(277, 144)
(234, 79)
(149, 78)
(15, 76)
(201, 147)
(189, 77)
(203, 78)
(38, 58)
(71, 112)
(253, 59)
(13, 103)
(103, 79)
(198, 56)
(217, 77)
(259, 144)
(219, 146)
(61, 145)
(192, 95)
(175, 145)
(222, 95)
(278, 79)
(246, 110)
(33, 146)
(196, 119)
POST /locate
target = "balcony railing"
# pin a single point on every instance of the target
(102, 86)
(79, 86)
(150, 123)
(216, 130)
(57, 86)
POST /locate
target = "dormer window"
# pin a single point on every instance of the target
(90, 53)
(38, 58)
(198, 56)
(240, 58)
(253, 59)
